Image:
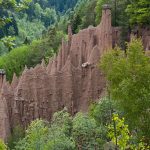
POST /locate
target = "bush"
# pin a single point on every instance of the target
(41, 136)
(17, 134)
(2, 145)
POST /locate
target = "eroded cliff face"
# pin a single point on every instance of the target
(144, 34)
(72, 79)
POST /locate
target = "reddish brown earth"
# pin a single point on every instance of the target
(72, 79)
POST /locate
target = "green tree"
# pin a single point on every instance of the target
(128, 75)
(8, 25)
(118, 7)
(85, 132)
(16, 135)
(13, 6)
(60, 132)
(84, 15)
(9, 42)
(102, 111)
(29, 55)
(2, 145)
(3, 49)
(119, 133)
(122, 138)
(139, 12)
(62, 5)
(98, 10)
(38, 11)
(41, 136)
(49, 16)
(30, 30)
(36, 136)
(32, 54)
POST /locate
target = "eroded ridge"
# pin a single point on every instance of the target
(71, 79)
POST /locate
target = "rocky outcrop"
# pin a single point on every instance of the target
(5, 107)
(72, 79)
(144, 34)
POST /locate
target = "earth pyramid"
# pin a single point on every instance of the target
(71, 79)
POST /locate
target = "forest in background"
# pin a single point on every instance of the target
(31, 23)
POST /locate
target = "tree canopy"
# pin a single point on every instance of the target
(128, 76)
(139, 12)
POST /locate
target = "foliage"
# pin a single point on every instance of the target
(39, 136)
(122, 138)
(118, 7)
(119, 132)
(2, 145)
(16, 135)
(139, 12)
(15, 61)
(63, 132)
(63, 120)
(8, 25)
(119, 17)
(89, 13)
(98, 9)
(36, 135)
(3, 48)
(102, 111)
(29, 24)
(9, 42)
(128, 75)
(30, 55)
(84, 15)
(59, 13)
(29, 30)
(84, 132)
(62, 5)
(11, 5)
(63, 21)
(60, 132)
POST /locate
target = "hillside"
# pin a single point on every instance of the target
(74, 75)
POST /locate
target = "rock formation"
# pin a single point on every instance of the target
(144, 34)
(71, 79)
(4, 112)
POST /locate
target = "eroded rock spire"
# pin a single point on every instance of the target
(71, 79)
